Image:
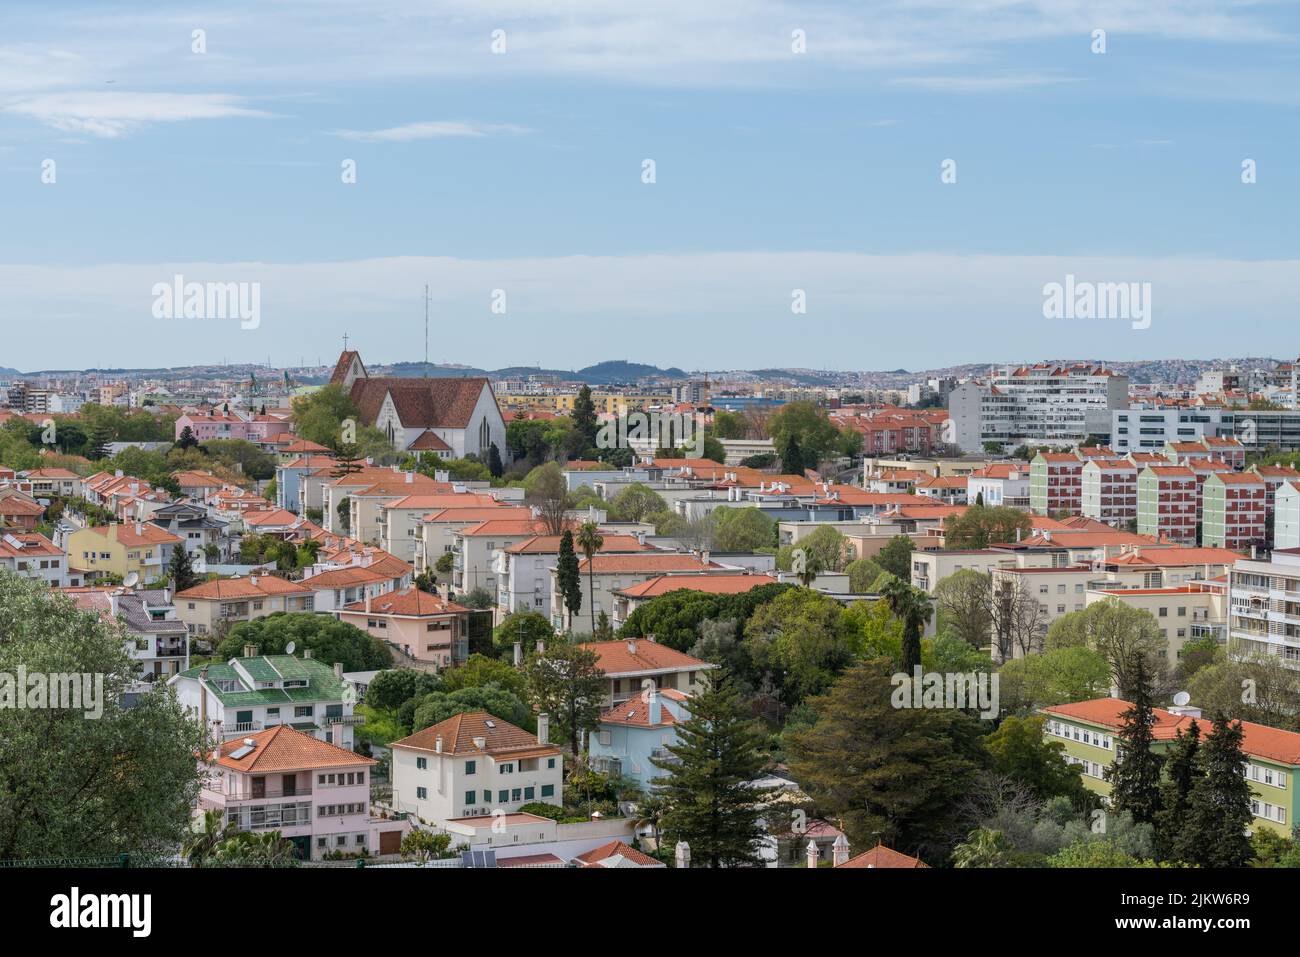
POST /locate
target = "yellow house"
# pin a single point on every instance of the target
(119, 549)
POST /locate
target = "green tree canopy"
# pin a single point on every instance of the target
(330, 640)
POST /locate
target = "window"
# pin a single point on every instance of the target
(515, 794)
(548, 790)
(471, 767)
(503, 796)
(421, 793)
(550, 762)
(421, 763)
(529, 793)
(469, 796)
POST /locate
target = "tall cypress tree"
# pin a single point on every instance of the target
(585, 422)
(792, 456)
(495, 466)
(711, 805)
(1135, 776)
(1220, 802)
(181, 569)
(1182, 771)
(566, 573)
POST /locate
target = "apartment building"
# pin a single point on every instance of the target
(473, 765)
(1183, 613)
(316, 794)
(254, 692)
(945, 489)
(522, 569)
(1234, 511)
(1264, 607)
(118, 550)
(1043, 404)
(157, 641)
(422, 626)
(399, 519)
(1109, 491)
(1089, 732)
(1286, 516)
(603, 575)
(1056, 483)
(228, 601)
(1168, 503)
(437, 530)
(474, 555)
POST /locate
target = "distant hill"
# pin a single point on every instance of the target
(602, 373)
(6, 371)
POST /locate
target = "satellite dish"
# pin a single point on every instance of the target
(1182, 698)
(288, 649)
(131, 579)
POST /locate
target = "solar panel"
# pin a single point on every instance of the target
(240, 752)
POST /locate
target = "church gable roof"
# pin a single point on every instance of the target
(427, 403)
(344, 364)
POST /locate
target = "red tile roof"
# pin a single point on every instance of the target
(881, 856)
(459, 731)
(283, 749)
(639, 655)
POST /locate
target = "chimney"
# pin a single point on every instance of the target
(167, 596)
(308, 653)
(640, 538)
(811, 855)
(653, 706)
(682, 855)
(369, 601)
(840, 851)
(250, 651)
(519, 653)
(139, 529)
(704, 556)
(410, 478)
(631, 647)
(437, 744)
(338, 669)
(543, 728)
(480, 743)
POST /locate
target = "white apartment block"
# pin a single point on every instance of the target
(1043, 404)
(1264, 607)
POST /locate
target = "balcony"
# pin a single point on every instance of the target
(267, 793)
(241, 727)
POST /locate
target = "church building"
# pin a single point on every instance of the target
(447, 417)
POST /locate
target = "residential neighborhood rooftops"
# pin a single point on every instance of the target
(617, 854)
(881, 856)
(253, 586)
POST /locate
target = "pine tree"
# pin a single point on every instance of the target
(495, 466)
(1181, 774)
(181, 569)
(711, 805)
(186, 439)
(100, 436)
(566, 573)
(1135, 776)
(1220, 802)
(792, 456)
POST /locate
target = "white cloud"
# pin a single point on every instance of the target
(114, 113)
(429, 130)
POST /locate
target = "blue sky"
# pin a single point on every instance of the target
(775, 171)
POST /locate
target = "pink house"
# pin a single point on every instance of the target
(315, 794)
(423, 626)
(218, 424)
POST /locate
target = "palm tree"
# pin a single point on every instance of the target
(983, 848)
(650, 811)
(200, 844)
(590, 541)
(912, 606)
